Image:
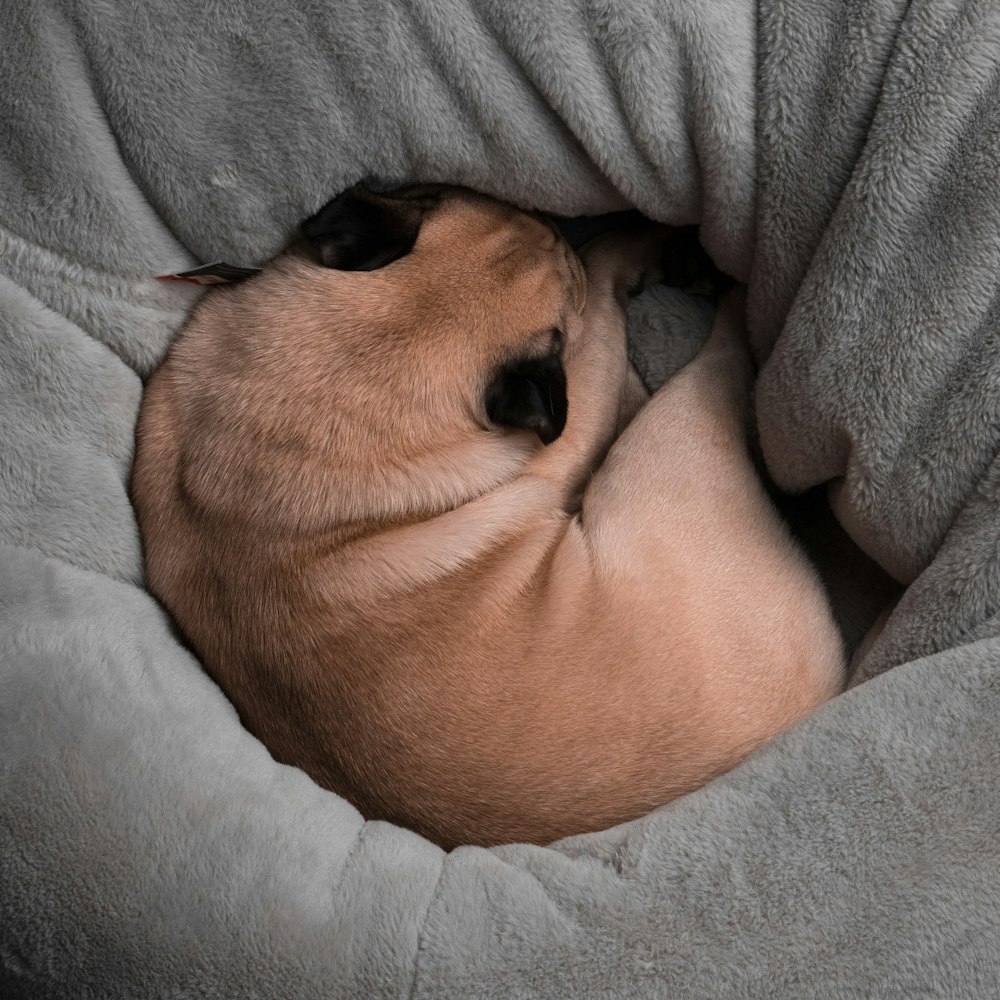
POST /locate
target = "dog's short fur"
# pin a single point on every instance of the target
(375, 491)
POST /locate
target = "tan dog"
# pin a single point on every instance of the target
(349, 505)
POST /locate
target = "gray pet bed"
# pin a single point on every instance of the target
(843, 158)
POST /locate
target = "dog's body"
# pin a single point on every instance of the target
(455, 626)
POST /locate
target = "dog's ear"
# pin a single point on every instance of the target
(530, 394)
(363, 231)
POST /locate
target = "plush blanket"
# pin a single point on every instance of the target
(842, 158)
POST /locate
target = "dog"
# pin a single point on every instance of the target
(408, 501)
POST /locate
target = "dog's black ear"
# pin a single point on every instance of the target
(530, 394)
(363, 231)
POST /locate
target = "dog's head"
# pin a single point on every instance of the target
(477, 290)
(405, 329)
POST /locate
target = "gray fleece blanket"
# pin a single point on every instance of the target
(842, 158)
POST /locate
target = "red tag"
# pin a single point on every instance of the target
(217, 273)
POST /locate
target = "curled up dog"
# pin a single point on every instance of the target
(413, 509)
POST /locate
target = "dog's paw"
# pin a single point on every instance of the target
(627, 260)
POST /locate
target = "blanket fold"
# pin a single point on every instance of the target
(843, 158)
(885, 379)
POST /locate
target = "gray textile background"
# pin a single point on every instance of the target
(844, 157)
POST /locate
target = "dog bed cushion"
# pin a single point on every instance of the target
(843, 159)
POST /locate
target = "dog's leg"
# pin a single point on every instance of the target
(685, 453)
(634, 397)
(678, 505)
(604, 390)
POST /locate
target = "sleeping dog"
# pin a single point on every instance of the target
(413, 509)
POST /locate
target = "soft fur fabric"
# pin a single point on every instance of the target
(843, 157)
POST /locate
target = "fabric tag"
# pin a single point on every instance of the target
(217, 273)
